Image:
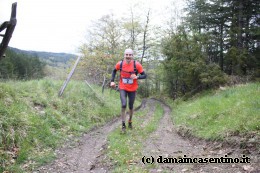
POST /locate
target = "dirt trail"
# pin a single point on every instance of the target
(166, 142)
(87, 155)
(82, 158)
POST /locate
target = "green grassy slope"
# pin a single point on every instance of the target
(34, 120)
(221, 114)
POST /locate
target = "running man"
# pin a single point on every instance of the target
(128, 84)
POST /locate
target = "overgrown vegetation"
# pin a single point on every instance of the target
(221, 114)
(34, 120)
(186, 70)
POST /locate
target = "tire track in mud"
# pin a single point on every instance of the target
(166, 142)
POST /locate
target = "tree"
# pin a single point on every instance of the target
(230, 25)
(102, 48)
(132, 27)
(185, 69)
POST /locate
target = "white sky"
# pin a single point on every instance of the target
(59, 25)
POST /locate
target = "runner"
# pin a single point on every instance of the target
(128, 84)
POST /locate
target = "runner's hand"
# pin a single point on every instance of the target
(112, 84)
(133, 76)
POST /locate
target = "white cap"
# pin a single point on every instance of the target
(129, 51)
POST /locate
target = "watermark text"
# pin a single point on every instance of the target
(185, 159)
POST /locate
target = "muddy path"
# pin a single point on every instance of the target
(165, 142)
(88, 154)
(82, 157)
(85, 155)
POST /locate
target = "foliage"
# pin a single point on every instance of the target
(241, 61)
(233, 27)
(215, 35)
(97, 65)
(152, 85)
(216, 39)
(102, 50)
(185, 68)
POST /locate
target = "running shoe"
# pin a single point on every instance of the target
(130, 125)
(123, 129)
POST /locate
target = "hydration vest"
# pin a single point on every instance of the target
(135, 70)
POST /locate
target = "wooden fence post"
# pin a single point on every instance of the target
(68, 78)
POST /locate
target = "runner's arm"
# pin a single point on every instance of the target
(142, 75)
(113, 75)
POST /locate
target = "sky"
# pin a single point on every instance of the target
(60, 25)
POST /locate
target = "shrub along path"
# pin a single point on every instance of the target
(163, 144)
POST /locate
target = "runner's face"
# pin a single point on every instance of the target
(128, 57)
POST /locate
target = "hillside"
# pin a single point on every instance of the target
(52, 59)
(229, 114)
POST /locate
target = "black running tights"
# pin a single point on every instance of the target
(131, 98)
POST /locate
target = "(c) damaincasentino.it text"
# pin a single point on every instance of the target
(185, 159)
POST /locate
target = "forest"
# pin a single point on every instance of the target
(21, 66)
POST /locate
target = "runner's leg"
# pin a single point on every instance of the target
(131, 97)
(123, 104)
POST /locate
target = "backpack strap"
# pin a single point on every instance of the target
(121, 65)
(135, 70)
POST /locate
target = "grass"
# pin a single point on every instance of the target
(222, 113)
(125, 150)
(34, 121)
